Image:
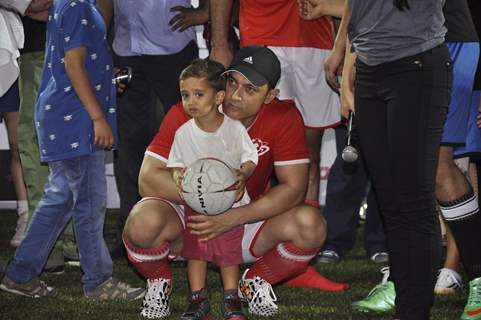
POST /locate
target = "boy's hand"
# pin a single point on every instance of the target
(241, 184)
(178, 176)
(38, 6)
(104, 138)
(187, 17)
(39, 16)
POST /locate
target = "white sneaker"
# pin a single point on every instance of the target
(22, 223)
(156, 300)
(259, 295)
(449, 281)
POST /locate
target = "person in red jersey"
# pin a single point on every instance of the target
(281, 235)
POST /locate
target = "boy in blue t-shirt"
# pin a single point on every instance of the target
(75, 117)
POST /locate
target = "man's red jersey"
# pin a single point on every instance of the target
(277, 132)
(277, 23)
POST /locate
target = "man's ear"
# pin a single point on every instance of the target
(219, 97)
(271, 95)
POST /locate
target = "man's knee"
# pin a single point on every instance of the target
(144, 224)
(311, 226)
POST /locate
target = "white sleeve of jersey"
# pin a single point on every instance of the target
(175, 156)
(247, 148)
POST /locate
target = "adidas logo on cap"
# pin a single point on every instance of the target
(248, 60)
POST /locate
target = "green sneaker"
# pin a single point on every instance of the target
(380, 299)
(472, 310)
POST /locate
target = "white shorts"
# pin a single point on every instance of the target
(303, 81)
(251, 230)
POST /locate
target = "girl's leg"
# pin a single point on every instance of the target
(11, 121)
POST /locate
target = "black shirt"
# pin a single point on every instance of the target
(458, 22)
(35, 32)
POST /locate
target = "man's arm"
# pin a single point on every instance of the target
(333, 62)
(75, 67)
(106, 9)
(155, 180)
(288, 193)
(220, 12)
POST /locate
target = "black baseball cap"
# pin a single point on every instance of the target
(258, 64)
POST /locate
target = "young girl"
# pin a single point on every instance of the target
(211, 134)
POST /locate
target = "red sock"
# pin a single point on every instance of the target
(313, 279)
(281, 262)
(151, 263)
(312, 202)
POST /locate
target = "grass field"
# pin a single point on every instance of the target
(294, 303)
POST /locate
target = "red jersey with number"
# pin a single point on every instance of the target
(277, 133)
(277, 23)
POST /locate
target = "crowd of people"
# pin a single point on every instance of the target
(405, 68)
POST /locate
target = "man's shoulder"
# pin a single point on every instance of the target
(279, 109)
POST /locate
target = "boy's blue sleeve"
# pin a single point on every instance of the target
(77, 25)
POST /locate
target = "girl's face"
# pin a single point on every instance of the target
(199, 99)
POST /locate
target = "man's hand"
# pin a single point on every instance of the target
(209, 227)
(104, 139)
(332, 68)
(38, 6)
(187, 17)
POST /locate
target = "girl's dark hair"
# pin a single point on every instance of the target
(401, 4)
(205, 68)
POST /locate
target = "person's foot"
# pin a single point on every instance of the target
(448, 282)
(32, 289)
(380, 257)
(22, 223)
(156, 301)
(380, 299)
(313, 279)
(198, 308)
(327, 256)
(259, 295)
(114, 289)
(472, 310)
(231, 307)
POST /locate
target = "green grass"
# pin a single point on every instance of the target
(293, 303)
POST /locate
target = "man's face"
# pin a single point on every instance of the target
(243, 100)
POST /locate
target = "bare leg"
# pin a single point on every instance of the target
(197, 272)
(230, 277)
(450, 181)
(452, 253)
(314, 140)
(11, 121)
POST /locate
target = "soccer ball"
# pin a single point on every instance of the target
(208, 186)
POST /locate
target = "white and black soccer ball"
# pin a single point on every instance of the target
(208, 186)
